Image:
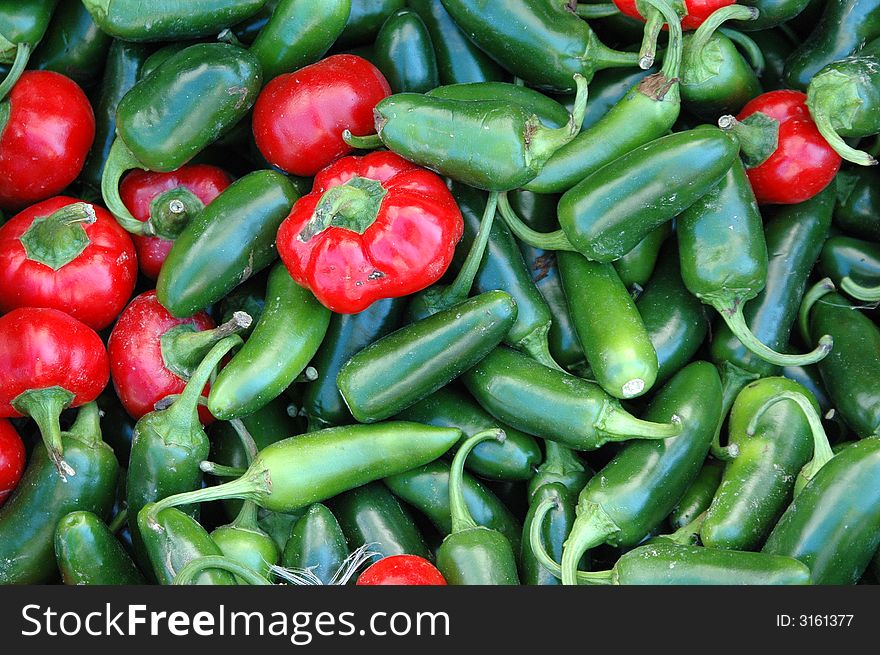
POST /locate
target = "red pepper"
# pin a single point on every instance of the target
(401, 570)
(299, 117)
(787, 160)
(11, 459)
(373, 227)
(46, 129)
(68, 255)
(697, 11)
(153, 354)
(49, 361)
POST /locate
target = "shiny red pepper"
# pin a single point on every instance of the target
(49, 361)
(46, 129)
(12, 458)
(373, 227)
(407, 570)
(299, 117)
(787, 160)
(147, 193)
(69, 255)
(697, 11)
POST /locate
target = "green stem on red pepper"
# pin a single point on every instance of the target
(22, 54)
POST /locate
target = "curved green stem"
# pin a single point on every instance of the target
(733, 316)
(620, 425)
(368, 142)
(221, 470)
(545, 141)
(120, 160)
(747, 44)
(758, 136)
(591, 528)
(45, 407)
(194, 568)
(247, 441)
(183, 348)
(461, 515)
(826, 129)
(603, 10)
(857, 291)
(733, 380)
(118, 521)
(663, 12)
(461, 286)
(822, 288)
(545, 240)
(654, 21)
(22, 54)
(706, 31)
(536, 346)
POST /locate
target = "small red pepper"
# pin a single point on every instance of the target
(11, 459)
(46, 129)
(401, 570)
(68, 255)
(373, 227)
(153, 354)
(787, 160)
(49, 361)
(170, 200)
(299, 117)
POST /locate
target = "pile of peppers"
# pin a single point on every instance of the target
(440, 292)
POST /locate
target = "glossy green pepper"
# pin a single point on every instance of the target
(405, 55)
(636, 266)
(245, 542)
(88, 553)
(247, 30)
(22, 26)
(366, 19)
(73, 45)
(316, 543)
(858, 202)
(853, 265)
(776, 46)
(548, 110)
(770, 13)
(699, 495)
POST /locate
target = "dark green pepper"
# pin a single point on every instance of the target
(548, 111)
(405, 55)
(316, 543)
(245, 542)
(770, 13)
(853, 265)
(247, 30)
(366, 19)
(636, 266)
(699, 495)
(858, 202)
(22, 26)
(776, 46)
(89, 554)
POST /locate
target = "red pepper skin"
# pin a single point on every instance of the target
(401, 570)
(803, 163)
(136, 364)
(697, 11)
(93, 287)
(139, 188)
(299, 117)
(43, 348)
(47, 136)
(12, 457)
(407, 248)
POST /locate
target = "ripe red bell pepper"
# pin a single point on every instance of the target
(409, 570)
(69, 255)
(787, 160)
(153, 354)
(170, 200)
(46, 129)
(49, 361)
(12, 458)
(299, 117)
(373, 227)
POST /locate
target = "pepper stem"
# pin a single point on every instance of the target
(461, 286)
(732, 314)
(59, 238)
(555, 240)
(247, 441)
(536, 346)
(758, 136)
(368, 142)
(822, 452)
(857, 291)
(733, 380)
(45, 407)
(591, 528)
(353, 206)
(183, 348)
(686, 535)
(661, 11)
(822, 288)
(119, 160)
(22, 55)
(706, 31)
(826, 129)
(247, 517)
(87, 426)
(118, 521)
(171, 212)
(542, 142)
(747, 44)
(196, 567)
(221, 470)
(603, 10)
(620, 425)
(461, 515)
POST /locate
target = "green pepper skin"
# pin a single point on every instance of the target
(844, 27)
(851, 371)
(772, 13)
(833, 526)
(278, 525)
(168, 20)
(298, 33)
(853, 258)
(699, 495)
(636, 266)
(241, 223)
(608, 88)
(623, 360)
(675, 320)
(316, 543)
(366, 19)
(794, 238)
(121, 72)
(371, 514)
(89, 554)
(858, 204)
(246, 31)
(190, 100)
(173, 540)
(776, 46)
(405, 55)
(251, 547)
(427, 489)
(346, 335)
(24, 23)
(674, 564)
(607, 214)
(514, 459)
(544, 43)
(161, 55)
(73, 45)
(459, 61)
(758, 483)
(42, 498)
(548, 111)
(413, 362)
(477, 556)
(289, 333)
(555, 530)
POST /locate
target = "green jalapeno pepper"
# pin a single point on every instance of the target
(853, 265)
(246, 543)
(776, 45)
(400, 369)
(316, 543)
(366, 19)
(187, 103)
(698, 497)
(22, 26)
(623, 359)
(278, 525)
(246, 31)
(548, 111)
(405, 55)
(636, 266)
(241, 223)
(88, 553)
(472, 553)
(371, 514)
(298, 33)
(518, 390)
(607, 89)
(858, 202)
(770, 13)
(638, 488)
